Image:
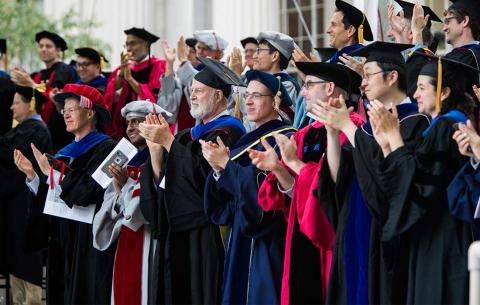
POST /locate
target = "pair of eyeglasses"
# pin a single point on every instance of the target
(309, 84)
(69, 110)
(448, 19)
(368, 76)
(255, 95)
(258, 50)
(83, 65)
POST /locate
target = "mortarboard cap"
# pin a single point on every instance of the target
(142, 108)
(57, 40)
(191, 42)
(282, 42)
(88, 97)
(357, 18)
(246, 40)
(3, 46)
(142, 34)
(407, 8)
(384, 52)
(211, 39)
(218, 76)
(326, 53)
(448, 72)
(273, 83)
(92, 54)
(341, 75)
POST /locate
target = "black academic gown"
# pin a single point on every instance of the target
(15, 198)
(7, 91)
(437, 241)
(87, 272)
(189, 248)
(357, 211)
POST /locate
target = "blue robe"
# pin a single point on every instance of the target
(256, 244)
(463, 196)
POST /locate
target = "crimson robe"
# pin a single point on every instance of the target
(306, 218)
(147, 73)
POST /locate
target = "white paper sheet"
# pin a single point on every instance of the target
(55, 206)
(120, 155)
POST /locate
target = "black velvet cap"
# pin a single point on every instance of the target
(356, 18)
(246, 40)
(384, 52)
(29, 92)
(57, 40)
(142, 34)
(90, 53)
(342, 76)
(408, 11)
(218, 76)
(191, 42)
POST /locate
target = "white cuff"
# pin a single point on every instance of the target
(474, 164)
(34, 184)
(288, 191)
(215, 176)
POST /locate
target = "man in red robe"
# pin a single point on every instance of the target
(291, 184)
(137, 78)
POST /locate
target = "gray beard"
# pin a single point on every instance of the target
(202, 110)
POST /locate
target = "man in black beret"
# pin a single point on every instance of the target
(90, 64)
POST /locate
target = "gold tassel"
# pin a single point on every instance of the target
(33, 101)
(102, 63)
(277, 100)
(238, 113)
(360, 30)
(438, 102)
(360, 34)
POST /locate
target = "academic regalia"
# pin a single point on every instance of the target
(310, 237)
(189, 251)
(470, 55)
(345, 50)
(120, 219)
(464, 195)
(437, 241)
(15, 198)
(7, 90)
(57, 76)
(147, 73)
(99, 82)
(256, 240)
(87, 271)
(360, 274)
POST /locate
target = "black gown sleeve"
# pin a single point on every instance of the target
(417, 179)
